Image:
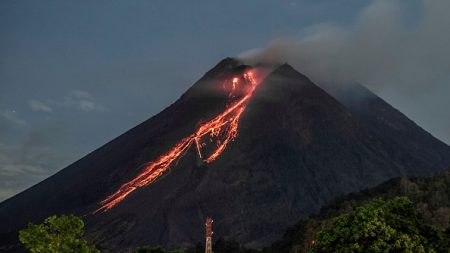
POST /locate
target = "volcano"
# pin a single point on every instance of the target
(256, 150)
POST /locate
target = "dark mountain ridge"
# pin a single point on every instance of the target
(408, 143)
(297, 148)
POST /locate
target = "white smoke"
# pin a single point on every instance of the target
(404, 61)
(380, 48)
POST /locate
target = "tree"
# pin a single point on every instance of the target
(56, 235)
(378, 226)
(446, 238)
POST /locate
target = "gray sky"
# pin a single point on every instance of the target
(75, 74)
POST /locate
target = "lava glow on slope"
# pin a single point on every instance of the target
(217, 132)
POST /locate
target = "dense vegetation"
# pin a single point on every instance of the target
(430, 198)
(56, 235)
(379, 226)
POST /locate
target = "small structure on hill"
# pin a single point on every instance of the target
(209, 233)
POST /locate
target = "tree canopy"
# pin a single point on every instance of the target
(57, 234)
(379, 226)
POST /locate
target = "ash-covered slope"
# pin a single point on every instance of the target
(409, 145)
(296, 149)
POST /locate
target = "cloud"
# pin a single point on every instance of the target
(5, 193)
(21, 166)
(32, 152)
(79, 99)
(11, 116)
(39, 106)
(18, 169)
(85, 101)
(16, 177)
(87, 105)
(81, 94)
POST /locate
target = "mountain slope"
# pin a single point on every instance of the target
(297, 148)
(409, 144)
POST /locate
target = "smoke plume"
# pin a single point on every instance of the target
(404, 59)
(380, 48)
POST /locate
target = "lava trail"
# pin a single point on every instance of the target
(220, 130)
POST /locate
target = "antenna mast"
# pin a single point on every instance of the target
(209, 233)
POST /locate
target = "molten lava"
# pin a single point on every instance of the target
(219, 131)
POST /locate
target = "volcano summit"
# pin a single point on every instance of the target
(257, 151)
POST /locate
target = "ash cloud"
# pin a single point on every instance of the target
(406, 63)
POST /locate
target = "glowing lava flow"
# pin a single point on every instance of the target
(221, 129)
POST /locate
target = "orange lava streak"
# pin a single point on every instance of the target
(151, 172)
(224, 125)
(231, 134)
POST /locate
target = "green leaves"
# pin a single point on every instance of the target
(378, 226)
(56, 235)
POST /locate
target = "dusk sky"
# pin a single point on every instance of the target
(76, 74)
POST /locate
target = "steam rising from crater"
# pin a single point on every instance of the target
(405, 60)
(379, 49)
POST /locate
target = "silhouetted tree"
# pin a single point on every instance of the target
(56, 235)
(379, 226)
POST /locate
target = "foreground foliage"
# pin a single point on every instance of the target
(430, 198)
(57, 234)
(380, 226)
